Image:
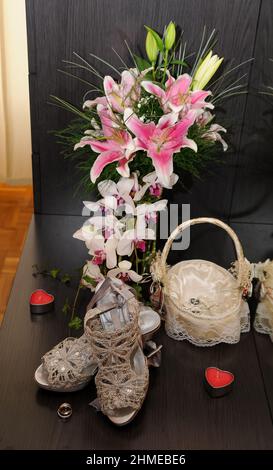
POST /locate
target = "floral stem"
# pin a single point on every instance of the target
(146, 259)
(75, 301)
(137, 261)
(153, 65)
(165, 65)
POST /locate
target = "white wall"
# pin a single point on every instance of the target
(3, 154)
(15, 141)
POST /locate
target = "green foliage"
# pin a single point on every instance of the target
(138, 290)
(178, 62)
(66, 307)
(54, 273)
(141, 63)
(75, 323)
(66, 278)
(191, 162)
(149, 108)
(89, 280)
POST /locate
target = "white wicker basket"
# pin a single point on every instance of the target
(204, 303)
(264, 314)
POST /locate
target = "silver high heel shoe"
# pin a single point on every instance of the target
(71, 364)
(115, 335)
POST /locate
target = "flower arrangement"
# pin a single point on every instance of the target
(137, 137)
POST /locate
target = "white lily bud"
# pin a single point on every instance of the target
(206, 70)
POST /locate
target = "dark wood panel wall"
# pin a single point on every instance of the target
(241, 189)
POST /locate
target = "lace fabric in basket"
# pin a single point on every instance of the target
(264, 314)
(204, 317)
(204, 303)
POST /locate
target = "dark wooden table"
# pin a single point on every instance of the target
(177, 414)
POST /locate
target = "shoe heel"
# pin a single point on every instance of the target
(153, 354)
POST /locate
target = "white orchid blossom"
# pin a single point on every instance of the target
(144, 214)
(101, 235)
(104, 250)
(86, 233)
(109, 224)
(115, 196)
(99, 225)
(91, 270)
(152, 183)
(131, 240)
(124, 272)
(147, 216)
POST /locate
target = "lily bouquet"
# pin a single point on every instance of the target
(143, 131)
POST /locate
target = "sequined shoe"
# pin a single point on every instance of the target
(115, 336)
(68, 367)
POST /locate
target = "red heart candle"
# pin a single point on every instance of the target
(41, 302)
(218, 382)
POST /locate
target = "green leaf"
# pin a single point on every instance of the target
(65, 278)
(179, 62)
(54, 273)
(138, 289)
(75, 323)
(66, 307)
(89, 280)
(142, 64)
(157, 38)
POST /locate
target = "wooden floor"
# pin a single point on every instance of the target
(16, 208)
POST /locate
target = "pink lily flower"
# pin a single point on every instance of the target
(177, 96)
(118, 146)
(118, 96)
(124, 95)
(214, 135)
(92, 103)
(161, 141)
(204, 118)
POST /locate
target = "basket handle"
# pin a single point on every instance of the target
(205, 220)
